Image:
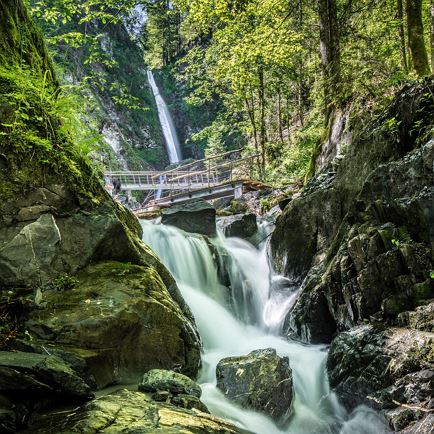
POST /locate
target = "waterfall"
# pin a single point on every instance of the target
(169, 131)
(247, 317)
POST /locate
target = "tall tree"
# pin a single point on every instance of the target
(330, 53)
(416, 43)
(400, 10)
(431, 8)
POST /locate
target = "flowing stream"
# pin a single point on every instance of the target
(169, 131)
(250, 317)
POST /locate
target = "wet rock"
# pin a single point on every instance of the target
(388, 369)
(127, 411)
(169, 381)
(306, 227)
(195, 217)
(241, 225)
(33, 374)
(173, 388)
(121, 319)
(261, 381)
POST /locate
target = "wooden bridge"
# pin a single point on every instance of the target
(224, 175)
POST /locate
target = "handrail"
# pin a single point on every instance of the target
(201, 161)
(229, 163)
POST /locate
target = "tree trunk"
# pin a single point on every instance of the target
(431, 8)
(252, 118)
(330, 54)
(416, 43)
(400, 10)
(279, 116)
(263, 132)
(300, 84)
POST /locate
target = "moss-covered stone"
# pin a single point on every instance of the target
(128, 411)
(261, 381)
(121, 316)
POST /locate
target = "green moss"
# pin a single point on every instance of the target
(38, 149)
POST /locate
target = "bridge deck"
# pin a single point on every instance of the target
(208, 179)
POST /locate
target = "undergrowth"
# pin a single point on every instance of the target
(39, 126)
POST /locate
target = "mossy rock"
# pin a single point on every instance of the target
(260, 381)
(169, 381)
(128, 411)
(122, 316)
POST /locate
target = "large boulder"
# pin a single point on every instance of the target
(387, 369)
(261, 381)
(196, 217)
(121, 319)
(240, 225)
(128, 411)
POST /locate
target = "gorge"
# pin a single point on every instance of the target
(302, 307)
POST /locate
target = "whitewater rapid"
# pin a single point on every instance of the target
(248, 317)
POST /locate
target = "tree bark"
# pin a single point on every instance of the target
(263, 132)
(300, 84)
(400, 10)
(279, 116)
(431, 9)
(330, 54)
(416, 43)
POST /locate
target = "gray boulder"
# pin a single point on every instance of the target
(194, 217)
(261, 381)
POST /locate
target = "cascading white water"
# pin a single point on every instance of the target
(169, 131)
(228, 329)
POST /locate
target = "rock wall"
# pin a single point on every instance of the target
(359, 241)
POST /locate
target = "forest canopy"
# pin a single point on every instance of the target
(276, 76)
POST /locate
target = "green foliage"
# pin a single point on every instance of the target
(38, 122)
(63, 282)
(257, 64)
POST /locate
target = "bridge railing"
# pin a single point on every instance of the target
(207, 163)
(200, 174)
(213, 175)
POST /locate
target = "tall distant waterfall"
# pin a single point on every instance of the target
(169, 131)
(245, 318)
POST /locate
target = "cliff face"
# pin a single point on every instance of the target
(359, 241)
(63, 246)
(111, 74)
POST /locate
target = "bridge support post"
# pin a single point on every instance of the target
(238, 191)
